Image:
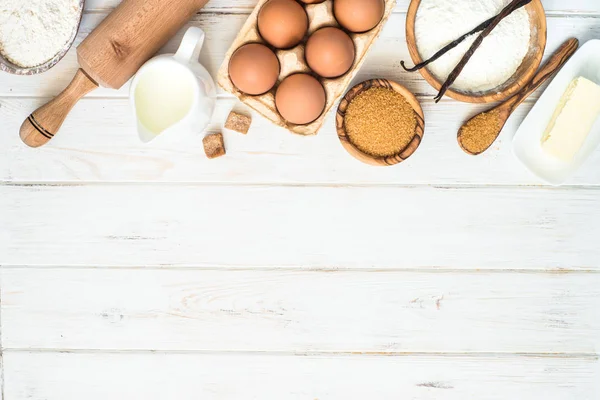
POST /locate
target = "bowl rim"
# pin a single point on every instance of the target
(492, 95)
(7, 66)
(368, 158)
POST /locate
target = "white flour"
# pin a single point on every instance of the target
(34, 31)
(439, 22)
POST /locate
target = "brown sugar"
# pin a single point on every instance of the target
(238, 122)
(478, 134)
(214, 145)
(380, 122)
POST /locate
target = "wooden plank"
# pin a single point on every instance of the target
(299, 311)
(98, 143)
(99, 376)
(552, 6)
(365, 227)
(383, 59)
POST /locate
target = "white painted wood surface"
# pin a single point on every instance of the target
(124, 376)
(287, 270)
(300, 311)
(108, 148)
(371, 227)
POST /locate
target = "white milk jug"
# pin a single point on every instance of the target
(173, 93)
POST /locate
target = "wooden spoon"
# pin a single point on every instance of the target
(481, 131)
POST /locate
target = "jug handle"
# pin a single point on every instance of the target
(191, 44)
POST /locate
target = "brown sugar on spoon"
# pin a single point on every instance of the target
(380, 122)
(479, 133)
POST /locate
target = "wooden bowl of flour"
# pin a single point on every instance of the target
(523, 74)
(10, 67)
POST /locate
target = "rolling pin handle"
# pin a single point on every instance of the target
(44, 123)
(191, 45)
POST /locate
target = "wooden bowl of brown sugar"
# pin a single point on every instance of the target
(380, 122)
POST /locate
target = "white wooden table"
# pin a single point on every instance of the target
(288, 270)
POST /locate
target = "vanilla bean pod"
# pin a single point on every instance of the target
(448, 47)
(514, 5)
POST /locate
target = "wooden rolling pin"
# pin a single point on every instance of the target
(110, 56)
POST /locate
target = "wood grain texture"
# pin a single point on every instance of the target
(293, 61)
(554, 64)
(41, 126)
(109, 56)
(450, 283)
(392, 227)
(245, 6)
(502, 112)
(129, 36)
(529, 66)
(108, 150)
(383, 59)
(63, 376)
(404, 153)
(300, 311)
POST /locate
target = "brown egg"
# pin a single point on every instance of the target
(254, 68)
(312, 1)
(330, 52)
(358, 15)
(300, 99)
(282, 23)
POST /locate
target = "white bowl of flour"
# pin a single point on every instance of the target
(36, 34)
(506, 59)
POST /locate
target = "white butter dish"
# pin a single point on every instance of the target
(527, 141)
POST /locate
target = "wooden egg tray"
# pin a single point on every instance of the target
(292, 61)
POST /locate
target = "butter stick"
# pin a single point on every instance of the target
(573, 119)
